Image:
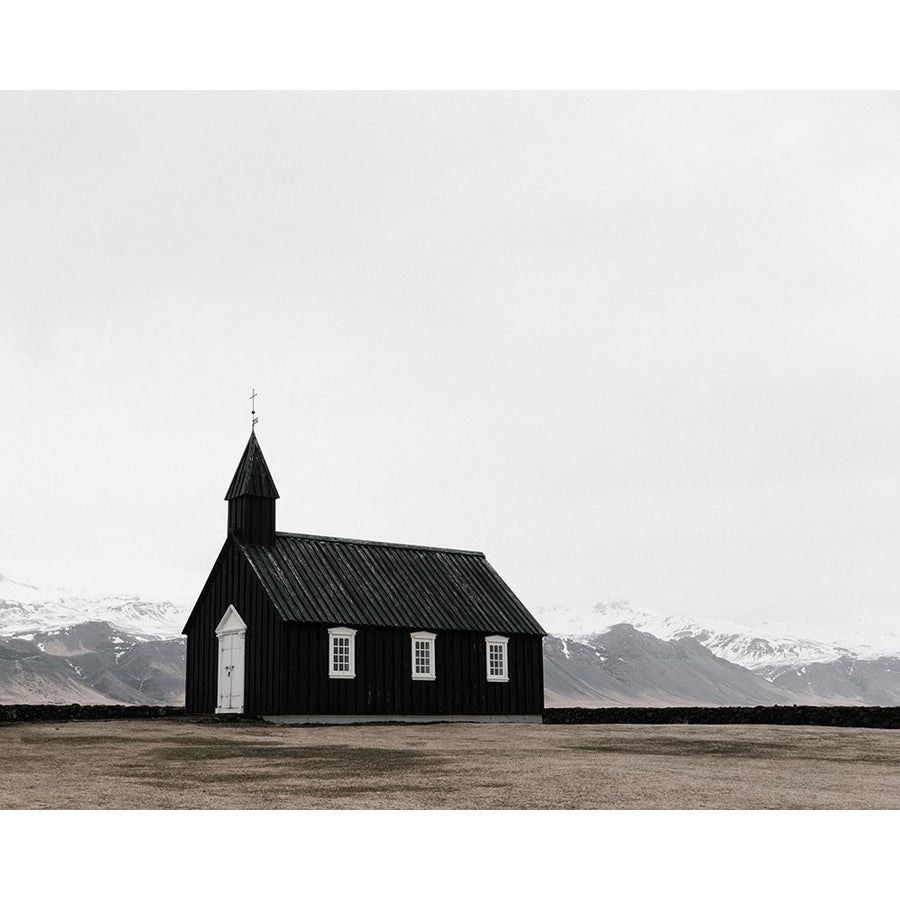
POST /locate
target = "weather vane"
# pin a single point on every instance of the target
(253, 417)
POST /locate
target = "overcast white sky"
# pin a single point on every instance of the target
(632, 346)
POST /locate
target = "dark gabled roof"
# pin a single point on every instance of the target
(348, 582)
(252, 477)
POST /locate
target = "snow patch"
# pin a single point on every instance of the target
(25, 607)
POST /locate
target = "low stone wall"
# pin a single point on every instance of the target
(833, 716)
(65, 713)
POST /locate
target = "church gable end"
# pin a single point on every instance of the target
(232, 594)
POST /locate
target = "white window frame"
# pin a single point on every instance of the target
(342, 632)
(503, 642)
(426, 637)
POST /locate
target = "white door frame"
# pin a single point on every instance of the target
(230, 634)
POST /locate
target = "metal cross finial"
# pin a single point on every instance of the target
(253, 417)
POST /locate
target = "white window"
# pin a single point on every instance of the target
(341, 653)
(422, 655)
(495, 651)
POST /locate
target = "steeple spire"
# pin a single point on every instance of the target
(251, 497)
(252, 477)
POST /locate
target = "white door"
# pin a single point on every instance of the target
(225, 669)
(237, 671)
(231, 633)
(231, 672)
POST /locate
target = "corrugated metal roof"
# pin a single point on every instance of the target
(340, 581)
(252, 477)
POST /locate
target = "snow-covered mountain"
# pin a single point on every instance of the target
(842, 663)
(91, 662)
(767, 648)
(59, 645)
(626, 667)
(25, 608)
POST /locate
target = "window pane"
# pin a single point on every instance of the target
(422, 656)
(497, 660)
(340, 653)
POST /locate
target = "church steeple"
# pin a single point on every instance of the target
(251, 498)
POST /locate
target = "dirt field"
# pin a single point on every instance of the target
(180, 764)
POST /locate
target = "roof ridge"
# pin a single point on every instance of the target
(339, 540)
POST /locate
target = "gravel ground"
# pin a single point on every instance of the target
(183, 764)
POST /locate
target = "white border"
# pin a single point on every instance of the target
(403, 44)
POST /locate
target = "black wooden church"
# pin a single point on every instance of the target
(302, 628)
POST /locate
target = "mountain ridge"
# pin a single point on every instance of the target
(753, 646)
(626, 667)
(25, 607)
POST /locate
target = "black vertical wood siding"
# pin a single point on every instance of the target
(384, 684)
(252, 519)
